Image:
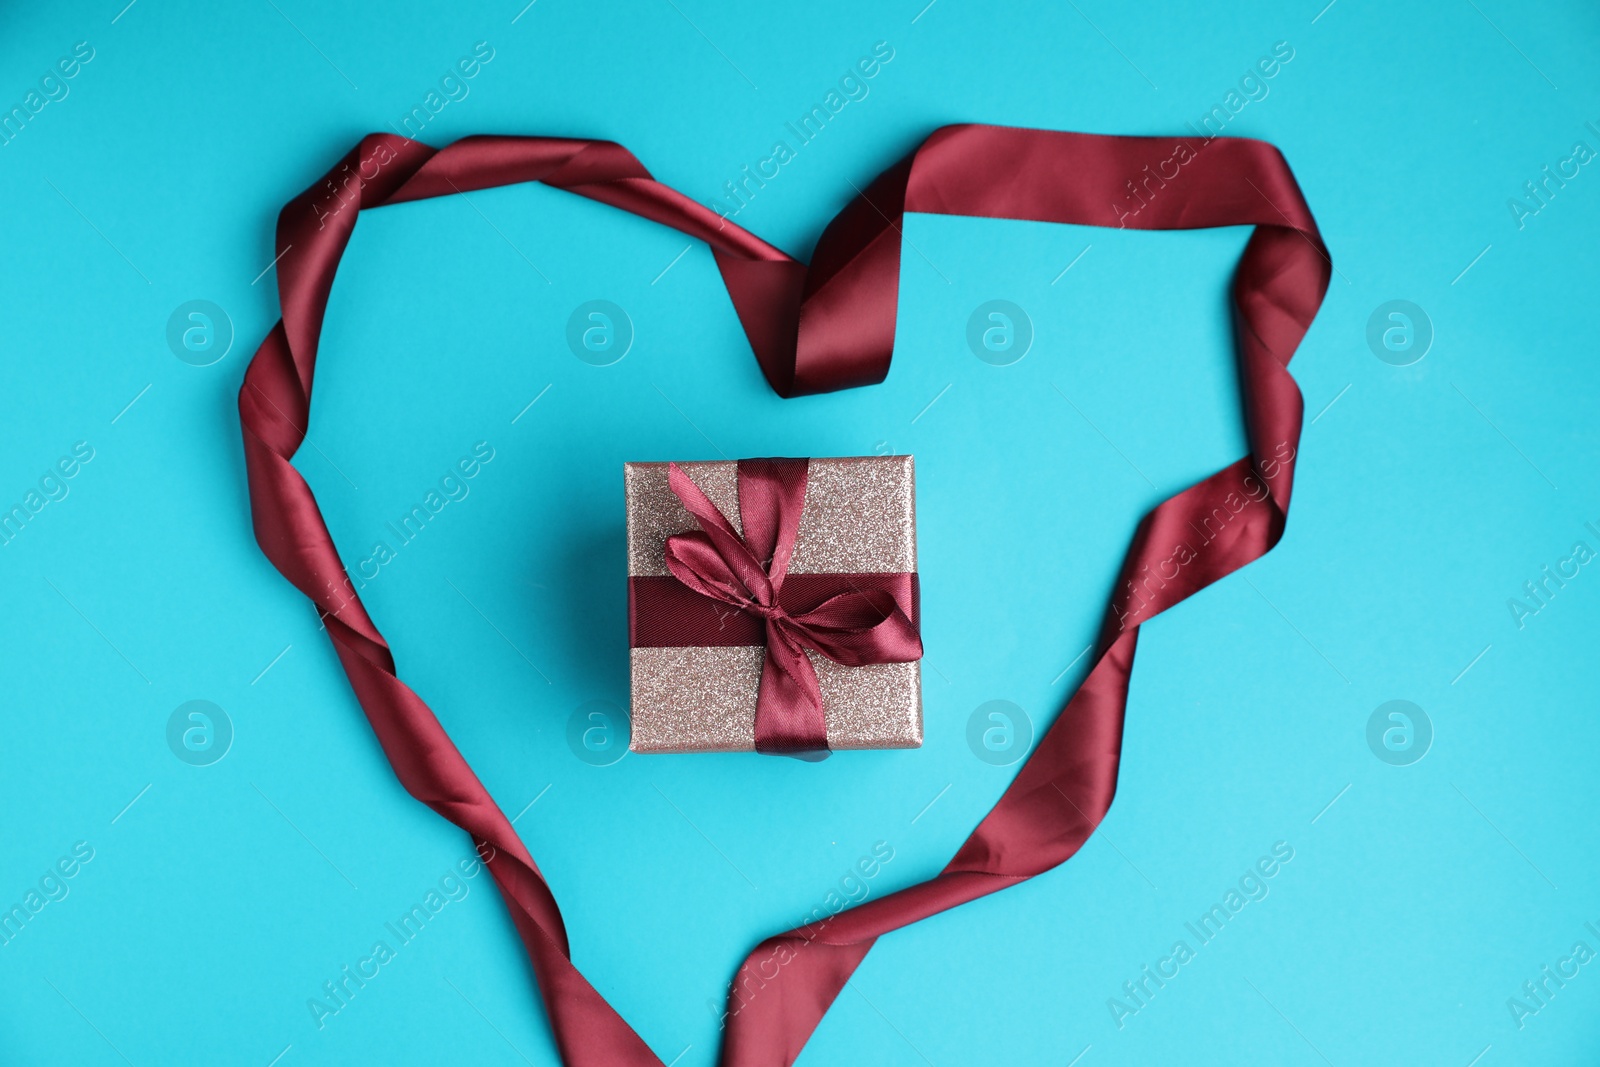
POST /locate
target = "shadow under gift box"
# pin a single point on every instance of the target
(859, 518)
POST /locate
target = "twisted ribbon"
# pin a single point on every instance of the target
(829, 326)
(855, 626)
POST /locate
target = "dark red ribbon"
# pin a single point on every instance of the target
(855, 624)
(665, 613)
(813, 329)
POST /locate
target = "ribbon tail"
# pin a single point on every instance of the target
(789, 717)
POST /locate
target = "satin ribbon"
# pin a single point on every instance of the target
(826, 326)
(665, 613)
(853, 626)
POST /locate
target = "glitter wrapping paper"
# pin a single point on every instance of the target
(859, 517)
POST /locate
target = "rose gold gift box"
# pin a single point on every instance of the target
(859, 518)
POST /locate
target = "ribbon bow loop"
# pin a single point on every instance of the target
(853, 627)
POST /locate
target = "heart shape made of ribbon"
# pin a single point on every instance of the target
(816, 328)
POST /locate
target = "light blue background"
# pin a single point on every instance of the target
(223, 898)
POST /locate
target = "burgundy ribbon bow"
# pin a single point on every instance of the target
(854, 626)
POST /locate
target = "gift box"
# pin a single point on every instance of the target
(772, 605)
